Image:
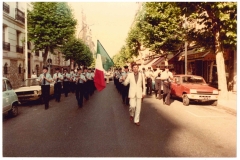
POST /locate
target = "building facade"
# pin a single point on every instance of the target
(18, 61)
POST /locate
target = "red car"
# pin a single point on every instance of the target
(192, 87)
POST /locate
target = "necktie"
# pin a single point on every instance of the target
(44, 80)
(57, 77)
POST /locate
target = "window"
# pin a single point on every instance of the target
(4, 85)
(20, 69)
(5, 7)
(5, 68)
(3, 36)
(29, 45)
(9, 86)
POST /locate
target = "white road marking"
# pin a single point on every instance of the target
(205, 116)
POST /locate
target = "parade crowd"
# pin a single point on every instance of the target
(133, 91)
(133, 84)
(80, 82)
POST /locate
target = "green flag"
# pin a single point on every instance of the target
(106, 60)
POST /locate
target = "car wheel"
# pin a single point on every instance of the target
(14, 111)
(185, 100)
(214, 103)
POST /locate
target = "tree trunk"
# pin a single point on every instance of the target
(210, 72)
(45, 56)
(222, 83)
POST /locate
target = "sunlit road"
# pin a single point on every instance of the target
(102, 129)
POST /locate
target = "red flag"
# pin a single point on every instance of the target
(99, 80)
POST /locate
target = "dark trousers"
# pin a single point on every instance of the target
(166, 92)
(72, 87)
(91, 87)
(149, 86)
(45, 95)
(125, 90)
(79, 93)
(57, 90)
(85, 90)
(66, 87)
(158, 88)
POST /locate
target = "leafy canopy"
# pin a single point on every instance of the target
(50, 25)
(77, 50)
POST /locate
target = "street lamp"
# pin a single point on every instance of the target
(185, 26)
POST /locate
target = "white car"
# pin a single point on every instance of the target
(10, 99)
(31, 90)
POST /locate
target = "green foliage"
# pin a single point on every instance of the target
(122, 57)
(77, 50)
(50, 25)
(215, 17)
(158, 27)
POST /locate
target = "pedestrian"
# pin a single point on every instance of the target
(71, 82)
(158, 86)
(79, 79)
(57, 77)
(66, 79)
(45, 79)
(107, 74)
(137, 91)
(85, 84)
(33, 75)
(125, 89)
(166, 78)
(90, 82)
(149, 76)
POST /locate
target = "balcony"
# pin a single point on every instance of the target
(19, 49)
(6, 46)
(19, 15)
(6, 7)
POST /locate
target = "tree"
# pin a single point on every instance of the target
(159, 25)
(50, 25)
(220, 27)
(156, 27)
(77, 50)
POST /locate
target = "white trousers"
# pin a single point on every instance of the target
(107, 79)
(135, 108)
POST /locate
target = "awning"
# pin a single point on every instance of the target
(147, 61)
(150, 63)
(158, 61)
(194, 55)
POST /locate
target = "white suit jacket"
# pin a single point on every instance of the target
(136, 89)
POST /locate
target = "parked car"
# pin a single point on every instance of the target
(192, 87)
(31, 90)
(10, 99)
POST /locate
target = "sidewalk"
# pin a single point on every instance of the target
(230, 103)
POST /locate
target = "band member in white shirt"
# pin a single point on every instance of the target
(45, 79)
(57, 77)
(166, 78)
(79, 79)
(66, 79)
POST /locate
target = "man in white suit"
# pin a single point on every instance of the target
(137, 91)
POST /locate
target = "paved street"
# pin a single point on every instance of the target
(102, 129)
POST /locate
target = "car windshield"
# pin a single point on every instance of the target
(30, 82)
(193, 79)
